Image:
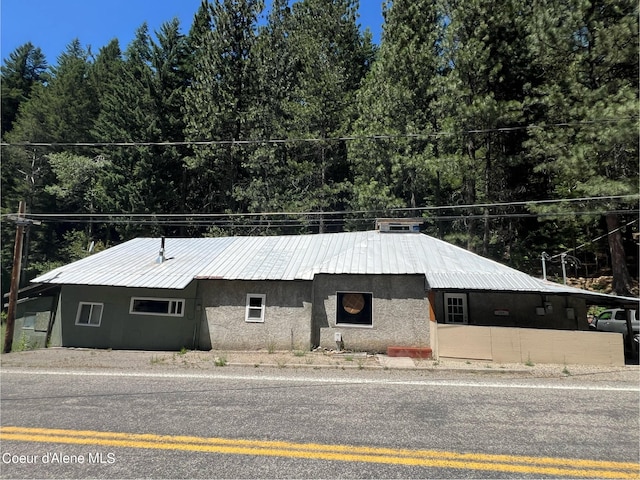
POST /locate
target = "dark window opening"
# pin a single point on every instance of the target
(354, 308)
(154, 306)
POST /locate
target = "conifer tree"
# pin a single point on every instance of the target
(330, 59)
(265, 187)
(105, 68)
(393, 154)
(62, 111)
(483, 90)
(143, 104)
(588, 97)
(25, 67)
(219, 98)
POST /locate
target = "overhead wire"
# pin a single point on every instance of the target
(185, 220)
(383, 136)
(594, 240)
(339, 217)
(335, 212)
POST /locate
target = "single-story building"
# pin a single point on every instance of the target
(361, 291)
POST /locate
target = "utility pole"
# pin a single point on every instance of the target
(21, 224)
(563, 259)
(545, 257)
(15, 282)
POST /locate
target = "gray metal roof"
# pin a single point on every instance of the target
(295, 257)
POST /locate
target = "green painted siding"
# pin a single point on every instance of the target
(32, 321)
(120, 329)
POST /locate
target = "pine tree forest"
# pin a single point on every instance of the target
(510, 129)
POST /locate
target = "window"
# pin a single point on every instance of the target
(606, 315)
(354, 308)
(255, 307)
(172, 307)
(29, 321)
(455, 305)
(89, 314)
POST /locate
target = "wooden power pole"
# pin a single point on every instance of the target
(15, 280)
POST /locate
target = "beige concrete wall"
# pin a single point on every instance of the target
(522, 345)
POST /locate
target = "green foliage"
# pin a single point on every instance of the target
(590, 85)
(220, 361)
(23, 344)
(25, 67)
(483, 91)
(144, 103)
(397, 100)
(219, 98)
(74, 245)
(75, 185)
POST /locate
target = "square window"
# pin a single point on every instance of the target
(255, 307)
(354, 308)
(89, 314)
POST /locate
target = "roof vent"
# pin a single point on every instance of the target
(399, 225)
(161, 257)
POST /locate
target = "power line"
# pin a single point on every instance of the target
(237, 142)
(298, 223)
(521, 203)
(336, 212)
(266, 218)
(594, 240)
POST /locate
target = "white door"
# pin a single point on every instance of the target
(455, 308)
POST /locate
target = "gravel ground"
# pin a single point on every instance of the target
(128, 360)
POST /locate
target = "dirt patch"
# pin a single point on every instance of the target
(144, 360)
(601, 284)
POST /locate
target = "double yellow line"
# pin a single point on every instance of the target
(344, 453)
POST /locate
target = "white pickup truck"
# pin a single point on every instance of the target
(615, 320)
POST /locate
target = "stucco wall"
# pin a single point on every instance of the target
(121, 330)
(400, 312)
(287, 321)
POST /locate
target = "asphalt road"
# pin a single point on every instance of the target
(257, 423)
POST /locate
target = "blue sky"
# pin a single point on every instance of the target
(53, 24)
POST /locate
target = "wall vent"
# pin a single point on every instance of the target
(399, 225)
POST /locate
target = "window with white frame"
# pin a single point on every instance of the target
(171, 307)
(256, 303)
(89, 314)
(455, 308)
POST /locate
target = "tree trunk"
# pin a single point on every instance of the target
(470, 195)
(486, 237)
(621, 277)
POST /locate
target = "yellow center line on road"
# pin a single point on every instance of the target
(345, 453)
